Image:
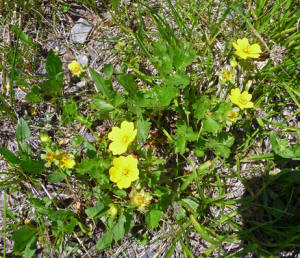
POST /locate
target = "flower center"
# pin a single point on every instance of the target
(125, 139)
(125, 172)
(243, 100)
(140, 200)
(246, 50)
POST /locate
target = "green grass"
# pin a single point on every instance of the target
(229, 183)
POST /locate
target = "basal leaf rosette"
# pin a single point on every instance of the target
(124, 171)
(121, 137)
(244, 50)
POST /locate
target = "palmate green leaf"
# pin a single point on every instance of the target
(153, 218)
(22, 131)
(22, 237)
(143, 127)
(9, 156)
(104, 86)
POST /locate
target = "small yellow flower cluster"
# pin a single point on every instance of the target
(141, 199)
(61, 159)
(75, 68)
(124, 170)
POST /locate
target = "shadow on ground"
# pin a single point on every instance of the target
(271, 215)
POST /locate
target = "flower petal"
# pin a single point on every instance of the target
(117, 148)
(114, 135)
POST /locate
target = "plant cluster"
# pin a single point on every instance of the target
(173, 131)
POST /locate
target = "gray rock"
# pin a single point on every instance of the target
(80, 31)
(83, 60)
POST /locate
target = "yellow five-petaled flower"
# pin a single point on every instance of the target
(245, 50)
(243, 100)
(75, 68)
(124, 171)
(121, 137)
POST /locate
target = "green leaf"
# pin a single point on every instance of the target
(9, 156)
(22, 237)
(120, 192)
(22, 131)
(178, 79)
(128, 83)
(153, 218)
(101, 106)
(30, 248)
(51, 87)
(143, 127)
(93, 212)
(191, 203)
(21, 35)
(105, 241)
(104, 86)
(108, 70)
(181, 144)
(54, 67)
(210, 125)
(201, 230)
(118, 230)
(200, 107)
(56, 177)
(183, 56)
(165, 94)
(32, 166)
(281, 147)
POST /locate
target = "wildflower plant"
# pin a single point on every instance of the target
(183, 131)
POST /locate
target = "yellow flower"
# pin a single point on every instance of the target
(65, 160)
(75, 68)
(140, 199)
(241, 99)
(113, 211)
(44, 138)
(245, 50)
(124, 171)
(50, 157)
(121, 137)
(232, 115)
(228, 75)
